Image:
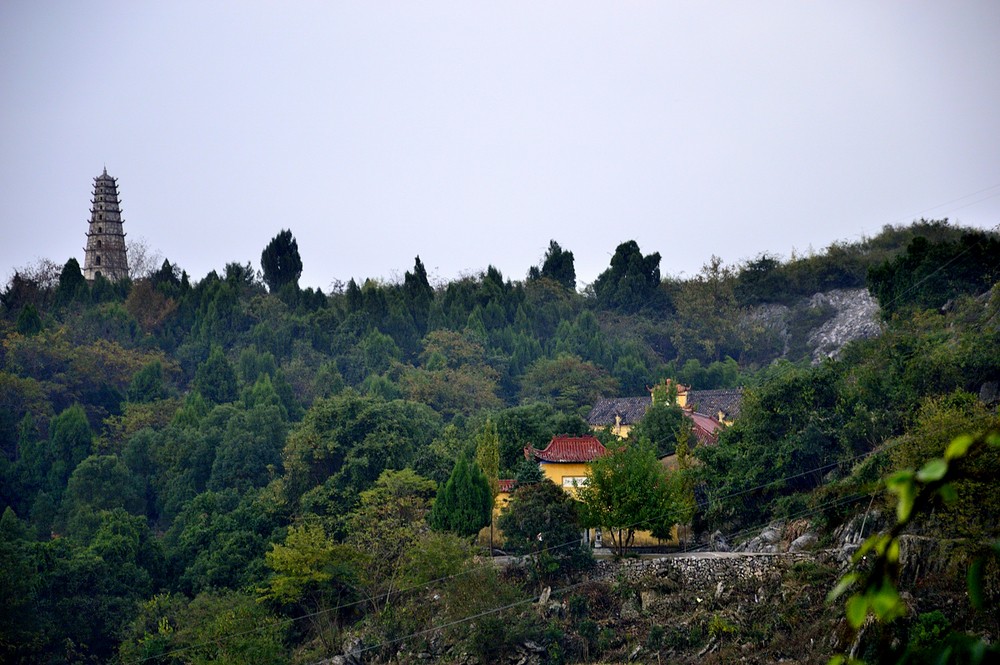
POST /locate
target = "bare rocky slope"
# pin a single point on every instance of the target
(821, 325)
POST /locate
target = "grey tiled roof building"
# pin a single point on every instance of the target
(627, 411)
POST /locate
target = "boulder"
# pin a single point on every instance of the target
(351, 655)
(989, 393)
(806, 541)
(717, 542)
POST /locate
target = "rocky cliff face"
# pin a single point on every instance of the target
(855, 317)
(820, 326)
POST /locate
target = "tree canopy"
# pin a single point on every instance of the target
(182, 457)
(557, 265)
(632, 281)
(543, 520)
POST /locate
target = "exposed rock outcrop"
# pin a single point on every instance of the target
(856, 318)
(821, 325)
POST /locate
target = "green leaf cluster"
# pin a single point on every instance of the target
(629, 490)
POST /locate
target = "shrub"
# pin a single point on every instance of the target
(928, 629)
(655, 638)
(718, 627)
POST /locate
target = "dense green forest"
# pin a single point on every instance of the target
(235, 469)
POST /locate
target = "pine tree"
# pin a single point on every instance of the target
(488, 455)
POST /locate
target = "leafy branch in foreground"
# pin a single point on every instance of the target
(876, 590)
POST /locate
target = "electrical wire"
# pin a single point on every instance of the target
(489, 563)
(569, 587)
(702, 504)
(956, 200)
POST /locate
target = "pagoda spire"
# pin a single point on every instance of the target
(105, 253)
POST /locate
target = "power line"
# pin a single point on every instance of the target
(575, 542)
(836, 502)
(911, 216)
(566, 588)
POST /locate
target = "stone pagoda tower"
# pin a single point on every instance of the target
(105, 251)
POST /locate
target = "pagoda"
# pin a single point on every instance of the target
(105, 253)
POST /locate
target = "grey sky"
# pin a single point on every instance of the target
(473, 133)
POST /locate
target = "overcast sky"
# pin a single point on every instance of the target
(473, 133)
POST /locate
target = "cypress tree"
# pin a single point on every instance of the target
(464, 503)
(419, 295)
(72, 285)
(215, 378)
(280, 261)
(28, 321)
(558, 266)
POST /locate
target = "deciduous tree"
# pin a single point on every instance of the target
(542, 519)
(659, 427)
(568, 383)
(225, 627)
(389, 520)
(70, 443)
(345, 442)
(312, 572)
(627, 491)
(99, 482)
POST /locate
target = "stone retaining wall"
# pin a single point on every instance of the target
(700, 571)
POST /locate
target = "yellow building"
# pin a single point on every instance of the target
(491, 536)
(708, 410)
(566, 461)
(504, 493)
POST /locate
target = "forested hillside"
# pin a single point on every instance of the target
(199, 469)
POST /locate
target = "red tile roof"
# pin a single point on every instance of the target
(568, 449)
(706, 428)
(507, 485)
